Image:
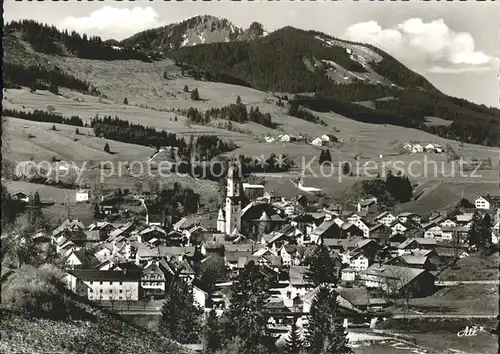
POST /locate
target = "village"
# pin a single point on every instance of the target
(378, 256)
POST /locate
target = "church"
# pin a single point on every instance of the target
(257, 217)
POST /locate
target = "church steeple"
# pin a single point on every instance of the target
(233, 199)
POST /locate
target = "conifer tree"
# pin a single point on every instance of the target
(322, 267)
(54, 127)
(195, 95)
(327, 156)
(322, 157)
(36, 214)
(479, 234)
(238, 100)
(180, 317)
(106, 148)
(212, 333)
(125, 100)
(325, 331)
(186, 88)
(97, 212)
(77, 132)
(246, 318)
(294, 343)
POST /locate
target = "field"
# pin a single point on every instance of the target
(474, 267)
(460, 299)
(153, 101)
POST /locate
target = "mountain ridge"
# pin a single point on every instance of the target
(201, 29)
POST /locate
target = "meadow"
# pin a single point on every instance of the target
(153, 101)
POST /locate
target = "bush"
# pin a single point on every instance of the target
(125, 100)
(106, 148)
(36, 292)
(186, 88)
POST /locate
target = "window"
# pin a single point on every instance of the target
(120, 298)
(100, 291)
(100, 282)
(110, 283)
(121, 291)
(121, 283)
(91, 290)
(110, 291)
(91, 282)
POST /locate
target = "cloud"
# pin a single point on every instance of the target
(458, 70)
(415, 41)
(111, 22)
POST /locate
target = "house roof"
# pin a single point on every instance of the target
(86, 258)
(106, 275)
(383, 214)
(144, 251)
(405, 274)
(410, 259)
(368, 201)
(92, 235)
(356, 296)
(234, 256)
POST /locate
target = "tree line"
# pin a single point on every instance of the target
(38, 78)
(48, 39)
(176, 201)
(236, 112)
(122, 130)
(43, 116)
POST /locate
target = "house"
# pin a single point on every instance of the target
(200, 297)
(408, 216)
(285, 138)
(486, 202)
(151, 232)
(413, 244)
(82, 195)
(413, 261)
(269, 139)
(153, 281)
(328, 229)
(108, 285)
(81, 259)
(381, 233)
(398, 226)
(25, 198)
(348, 274)
(317, 142)
(104, 251)
(289, 255)
(396, 279)
(358, 261)
(448, 223)
(432, 230)
(385, 218)
(417, 148)
(253, 191)
(429, 148)
(105, 228)
(369, 205)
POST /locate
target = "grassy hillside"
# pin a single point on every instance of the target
(39, 315)
(292, 60)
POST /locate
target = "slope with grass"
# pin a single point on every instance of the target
(39, 315)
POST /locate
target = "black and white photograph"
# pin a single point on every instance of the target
(250, 177)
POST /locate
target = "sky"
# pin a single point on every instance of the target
(455, 45)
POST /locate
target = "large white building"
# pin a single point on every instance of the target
(110, 285)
